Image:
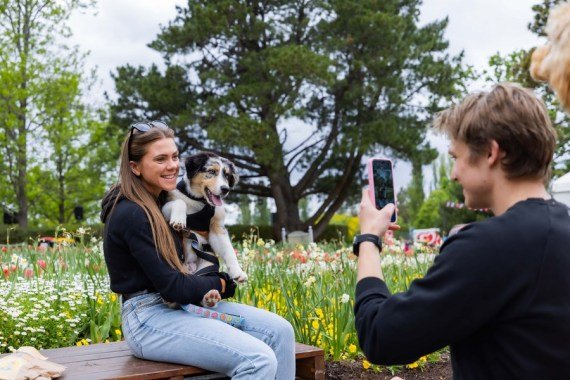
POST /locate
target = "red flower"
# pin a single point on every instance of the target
(4, 248)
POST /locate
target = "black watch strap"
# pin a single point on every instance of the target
(365, 237)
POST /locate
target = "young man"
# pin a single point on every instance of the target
(499, 291)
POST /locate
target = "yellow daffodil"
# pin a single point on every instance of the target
(366, 364)
(352, 348)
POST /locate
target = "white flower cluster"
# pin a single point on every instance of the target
(33, 312)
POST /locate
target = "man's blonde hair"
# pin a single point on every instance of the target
(512, 116)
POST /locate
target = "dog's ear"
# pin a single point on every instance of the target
(194, 163)
(233, 178)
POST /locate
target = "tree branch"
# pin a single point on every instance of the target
(302, 150)
(339, 190)
(311, 173)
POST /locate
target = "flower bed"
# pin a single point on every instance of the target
(59, 296)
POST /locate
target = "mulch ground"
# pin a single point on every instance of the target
(344, 370)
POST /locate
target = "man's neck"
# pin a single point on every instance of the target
(509, 192)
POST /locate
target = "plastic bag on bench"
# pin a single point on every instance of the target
(28, 363)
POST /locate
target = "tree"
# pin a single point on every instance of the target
(361, 74)
(33, 64)
(411, 199)
(435, 212)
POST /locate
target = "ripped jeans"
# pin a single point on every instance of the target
(263, 349)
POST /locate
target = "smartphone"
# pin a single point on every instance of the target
(381, 183)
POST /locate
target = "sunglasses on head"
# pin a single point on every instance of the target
(143, 127)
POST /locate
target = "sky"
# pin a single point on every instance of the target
(117, 32)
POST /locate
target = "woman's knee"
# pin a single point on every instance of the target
(284, 330)
(261, 364)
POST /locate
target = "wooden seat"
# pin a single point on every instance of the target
(115, 361)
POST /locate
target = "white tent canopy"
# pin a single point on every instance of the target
(561, 189)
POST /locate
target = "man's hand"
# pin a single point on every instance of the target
(372, 220)
(377, 222)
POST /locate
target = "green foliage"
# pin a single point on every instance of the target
(434, 211)
(410, 200)
(262, 215)
(362, 75)
(45, 126)
(541, 12)
(245, 209)
(429, 214)
(12, 234)
(304, 208)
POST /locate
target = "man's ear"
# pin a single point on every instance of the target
(135, 168)
(495, 153)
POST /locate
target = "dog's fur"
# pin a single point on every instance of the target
(208, 180)
(551, 63)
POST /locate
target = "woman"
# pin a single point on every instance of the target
(144, 259)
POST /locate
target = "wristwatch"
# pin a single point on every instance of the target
(366, 237)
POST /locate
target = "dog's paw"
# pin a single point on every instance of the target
(238, 274)
(178, 226)
(211, 298)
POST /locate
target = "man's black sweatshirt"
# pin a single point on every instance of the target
(498, 294)
(134, 262)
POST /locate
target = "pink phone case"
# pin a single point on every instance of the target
(371, 180)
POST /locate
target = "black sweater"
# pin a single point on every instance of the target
(498, 294)
(135, 264)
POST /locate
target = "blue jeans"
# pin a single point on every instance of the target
(263, 349)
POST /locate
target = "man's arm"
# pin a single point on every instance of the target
(369, 262)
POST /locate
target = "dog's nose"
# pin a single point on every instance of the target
(225, 190)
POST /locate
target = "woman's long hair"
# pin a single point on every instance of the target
(132, 188)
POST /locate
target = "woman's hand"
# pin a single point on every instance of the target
(372, 220)
(228, 285)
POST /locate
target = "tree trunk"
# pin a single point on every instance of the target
(287, 213)
(22, 166)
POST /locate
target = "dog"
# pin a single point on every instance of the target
(551, 63)
(196, 208)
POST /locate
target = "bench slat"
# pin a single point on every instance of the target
(115, 361)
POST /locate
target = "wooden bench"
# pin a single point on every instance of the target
(115, 361)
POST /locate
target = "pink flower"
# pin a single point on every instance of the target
(42, 264)
(28, 273)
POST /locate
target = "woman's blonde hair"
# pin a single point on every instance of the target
(130, 186)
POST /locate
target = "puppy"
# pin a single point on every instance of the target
(551, 63)
(196, 206)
